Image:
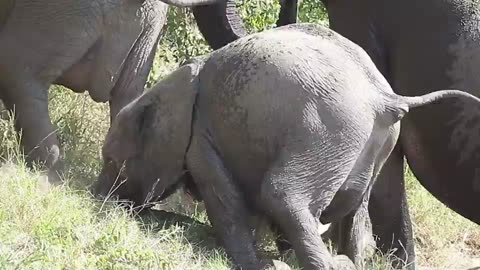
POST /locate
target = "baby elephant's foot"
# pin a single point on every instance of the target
(342, 262)
(269, 264)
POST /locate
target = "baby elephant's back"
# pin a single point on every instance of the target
(271, 84)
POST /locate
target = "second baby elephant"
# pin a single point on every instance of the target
(292, 123)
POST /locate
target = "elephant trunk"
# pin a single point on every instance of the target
(288, 12)
(189, 3)
(219, 23)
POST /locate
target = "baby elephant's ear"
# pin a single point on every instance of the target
(123, 138)
(176, 94)
(167, 122)
(179, 85)
(166, 107)
(179, 93)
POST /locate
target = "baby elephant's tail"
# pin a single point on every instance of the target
(400, 105)
(412, 102)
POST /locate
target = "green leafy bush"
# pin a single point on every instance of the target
(182, 39)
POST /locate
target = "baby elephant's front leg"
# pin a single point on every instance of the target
(225, 206)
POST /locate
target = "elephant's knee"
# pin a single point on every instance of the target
(52, 155)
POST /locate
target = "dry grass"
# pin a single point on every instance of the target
(444, 239)
(44, 228)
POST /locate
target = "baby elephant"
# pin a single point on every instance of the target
(292, 123)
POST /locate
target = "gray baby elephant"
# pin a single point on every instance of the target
(293, 123)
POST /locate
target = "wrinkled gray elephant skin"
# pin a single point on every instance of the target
(103, 47)
(284, 123)
(436, 46)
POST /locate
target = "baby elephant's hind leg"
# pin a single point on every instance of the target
(353, 232)
(353, 235)
(294, 218)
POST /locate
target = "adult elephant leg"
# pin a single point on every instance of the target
(29, 104)
(219, 23)
(388, 209)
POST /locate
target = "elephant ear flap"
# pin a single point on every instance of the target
(166, 120)
(123, 136)
(165, 109)
(179, 89)
(174, 98)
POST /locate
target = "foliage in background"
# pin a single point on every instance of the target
(81, 125)
(259, 14)
(313, 11)
(183, 40)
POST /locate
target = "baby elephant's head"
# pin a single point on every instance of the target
(144, 150)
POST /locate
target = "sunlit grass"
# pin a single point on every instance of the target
(44, 227)
(443, 238)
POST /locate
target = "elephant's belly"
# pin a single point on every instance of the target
(445, 156)
(442, 141)
(78, 77)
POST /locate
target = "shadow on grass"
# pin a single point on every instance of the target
(198, 234)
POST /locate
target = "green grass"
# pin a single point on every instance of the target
(444, 239)
(44, 227)
(63, 227)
